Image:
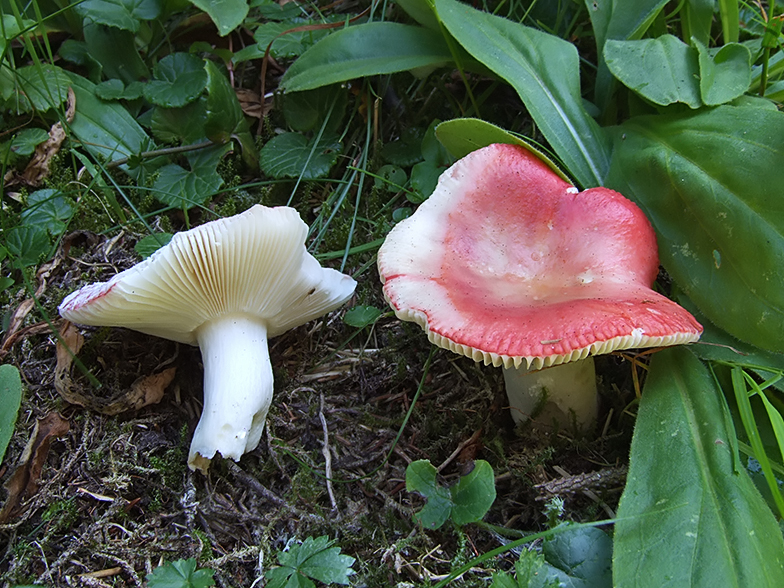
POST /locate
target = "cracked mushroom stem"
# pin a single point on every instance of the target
(226, 286)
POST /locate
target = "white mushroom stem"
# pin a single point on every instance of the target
(237, 388)
(566, 392)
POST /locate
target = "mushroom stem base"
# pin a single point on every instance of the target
(237, 389)
(566, 393)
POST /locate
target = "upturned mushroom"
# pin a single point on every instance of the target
(226, 286)
(509, 264)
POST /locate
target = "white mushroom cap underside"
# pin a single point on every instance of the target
(534, 276)
(254, 263)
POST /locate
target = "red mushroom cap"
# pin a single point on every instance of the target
(508, 263)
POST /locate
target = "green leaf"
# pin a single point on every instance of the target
(290, 44)
(309, 110)
(704, 180)
(107, 12)
(290, 155)
(185, 189)
(148, 245)
(579, 557)
(314, 558)
(110, 89)
(725, 73)
(27, 244)
(226, 14)
(360, 317)
(115, 49)
(180, 78)
(224, 119)
(366, 50)
(474, 494)
(180, 574)
(10, 401)
(664, 70)
(688, 516)
(39, 87)
(461, 136)
(105, 129)
(421, 478)
(177, 125)
(622, 20)
(25, 141)
(466, 502)
(390, 178)
(48, 209)
(544, 70)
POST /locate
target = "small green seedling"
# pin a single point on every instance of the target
(314, 559)
(465, 502)
(180, 574)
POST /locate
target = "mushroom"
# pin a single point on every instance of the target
(509, 264)
(226, 286)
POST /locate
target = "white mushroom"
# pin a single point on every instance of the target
(226, 286)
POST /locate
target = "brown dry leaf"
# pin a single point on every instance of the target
(24, 482)
(144, 391)
(38, 167)
(251, 103)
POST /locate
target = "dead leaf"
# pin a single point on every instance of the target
(24, 482)
(142, 392)
(38, 168)
(251, 103)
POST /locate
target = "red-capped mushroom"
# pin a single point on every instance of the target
(226, 286)
(509, 264)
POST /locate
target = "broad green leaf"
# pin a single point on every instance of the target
(405, 151)
(116, 51)
(420, 11)
(26, 244)
(366, 50)
(180, 574)
(697, 18)
(291, 155)
(10, 401)
(361, 316)
(306, 111)
(37, 87)
(620, 20)
(421, 478)
(110, 89)
(664, 70)
(725, 73)
(704, 180)
(390, 177)
(579, 557)
(544, 70)
(12, 28)
(474, 494)
(224, 119)
(25, 141)
(48, 209)
(729, 11)
(461, 136)
(180, 78)
(688, 516)
(185, 189)
(108, 13)
(148, 245)
(105, 129)
(226, 14)
(290, 44)
(314, 558)
(177, 125)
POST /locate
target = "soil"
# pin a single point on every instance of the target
(114, 497)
